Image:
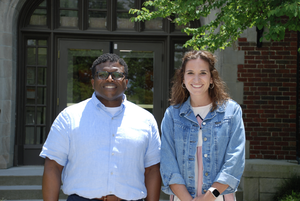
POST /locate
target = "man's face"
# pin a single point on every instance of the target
(109, 91)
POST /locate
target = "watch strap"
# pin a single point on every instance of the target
(214, 191)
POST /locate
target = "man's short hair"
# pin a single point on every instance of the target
(111, 58)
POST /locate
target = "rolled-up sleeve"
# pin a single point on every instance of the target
(57, 144)
(233, 168)
(169, 169)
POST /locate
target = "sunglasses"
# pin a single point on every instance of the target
(103, 75)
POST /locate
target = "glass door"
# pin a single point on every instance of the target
(144, 62)
(75, 61)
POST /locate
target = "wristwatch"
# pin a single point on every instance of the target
(214, 191)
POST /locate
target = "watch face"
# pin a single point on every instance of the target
(216, 193)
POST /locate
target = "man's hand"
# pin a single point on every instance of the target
(51, 180)
(152, 182)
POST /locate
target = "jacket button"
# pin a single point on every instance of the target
(204, 123)
(206, 174)
(205, 155)
(205, 139)
(205, 191)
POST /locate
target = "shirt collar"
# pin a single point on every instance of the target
(186, 108)
(98, 103)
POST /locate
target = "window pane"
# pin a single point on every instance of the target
(125, 4)
(154, 24)
(68, 3)
(39, 17)
(97, 19)
(41, 95)
(40, 135)
(41, 76)
(41, 115)
(140, 85)
(30, 75)
(30, 95)
(31, 42)
(42, 42)
(69, 18)
(29, 115)
(42, 56)
(31, 55)
(123, 21)
(43, 4)
(29, 135)
(178, 54)
(97, 4)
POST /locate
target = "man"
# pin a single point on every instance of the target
(103, 148)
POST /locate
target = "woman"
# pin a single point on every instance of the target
(203, 135)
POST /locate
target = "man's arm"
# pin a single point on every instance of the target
(152, 182)
(51, 180)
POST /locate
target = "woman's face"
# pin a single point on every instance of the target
(197, 79)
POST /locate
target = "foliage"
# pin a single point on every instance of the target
(290, 188)
(232, 18)
(293, 197)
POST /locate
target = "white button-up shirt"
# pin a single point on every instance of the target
(104, 154)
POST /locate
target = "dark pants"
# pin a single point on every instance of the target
(75, 197)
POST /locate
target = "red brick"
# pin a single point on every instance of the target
(247, 48)
(270, 157)
(276, 48)
(290, 48)
(254, 61)
(242, 39)
(249, 57)
(244, 43)
(262, 48)
(271, 66)
(290, 57)
(249, 66)
(268, 62)
(275, 57)
(267, 53)
(293, 52)
(282, 71)
(283, 53)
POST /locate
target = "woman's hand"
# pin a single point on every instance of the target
(205, 197)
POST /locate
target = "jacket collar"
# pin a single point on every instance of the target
(186, 109)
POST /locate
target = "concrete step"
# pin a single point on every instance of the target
(27, 192)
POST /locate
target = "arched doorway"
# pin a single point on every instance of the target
(59, 40)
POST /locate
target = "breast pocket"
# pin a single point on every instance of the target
(221, 129)
(181, 131)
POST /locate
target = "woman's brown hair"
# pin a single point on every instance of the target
(218, 93)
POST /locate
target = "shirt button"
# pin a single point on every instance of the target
(113, 135)
(111, 173)
(204, 123)
(206, 174)
(205, 155)
(113, 154)
(205, 139)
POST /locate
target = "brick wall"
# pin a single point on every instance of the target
(269, 107)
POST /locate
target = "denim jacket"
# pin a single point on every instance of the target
(223, 147)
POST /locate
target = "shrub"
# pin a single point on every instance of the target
(293, 197)
(289, 188)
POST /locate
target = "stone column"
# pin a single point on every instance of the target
(9, 12)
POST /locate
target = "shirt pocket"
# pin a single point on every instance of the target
(221, 129)
(181, 131)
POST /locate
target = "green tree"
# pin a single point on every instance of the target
(232, 18)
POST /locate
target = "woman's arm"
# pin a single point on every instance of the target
(181, 192)
(169, 167)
